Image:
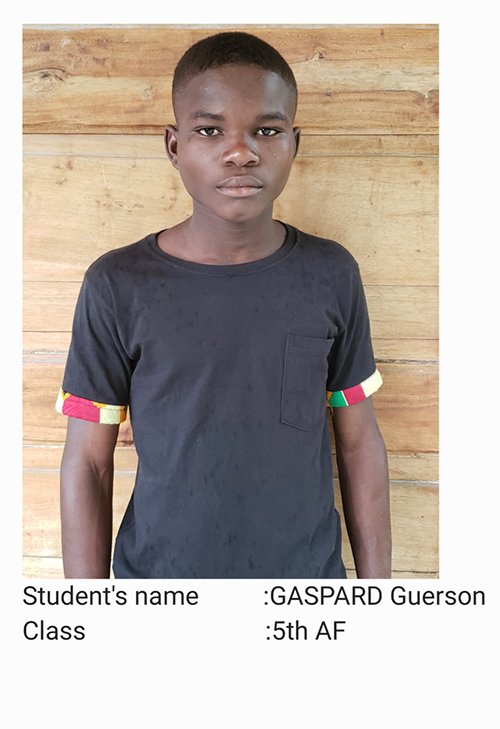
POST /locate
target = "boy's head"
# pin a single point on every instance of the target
(230, 49)
(234, 99)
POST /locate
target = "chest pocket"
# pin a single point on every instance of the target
(305, 372)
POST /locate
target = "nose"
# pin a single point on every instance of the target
(240, 152)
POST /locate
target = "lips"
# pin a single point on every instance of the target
(240, 186)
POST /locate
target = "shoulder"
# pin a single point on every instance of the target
(118, 265)
(325, 252)
(122, 258)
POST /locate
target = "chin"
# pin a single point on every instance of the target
(240, 212)
(239, 218)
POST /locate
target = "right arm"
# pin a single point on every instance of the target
(87, 498)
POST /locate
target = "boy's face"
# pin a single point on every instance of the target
(235, 141)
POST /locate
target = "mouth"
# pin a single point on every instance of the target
(240, 186)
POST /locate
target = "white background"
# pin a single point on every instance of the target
(211, 664)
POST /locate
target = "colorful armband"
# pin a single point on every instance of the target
(96, 412)
(355, 394)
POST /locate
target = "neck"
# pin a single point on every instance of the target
(204, 238)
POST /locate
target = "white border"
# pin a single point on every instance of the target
(396, 667)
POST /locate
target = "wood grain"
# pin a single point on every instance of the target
(96, 177)
(382, 209)
(324, 145)
(154, 50)
(395, 311)
(407, 408)
(43, 568)
(422, 467)
(111, 80)
(386, 350)
(405, 350)
(41, 518)
(406, 405)
(414, 520)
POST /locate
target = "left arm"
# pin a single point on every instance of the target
(364, 484)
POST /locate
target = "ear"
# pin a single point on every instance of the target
(296, 134)
(170, 139)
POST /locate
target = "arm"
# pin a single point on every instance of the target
(86, 498)
(364, 484)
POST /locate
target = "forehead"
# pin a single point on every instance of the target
(241, 87)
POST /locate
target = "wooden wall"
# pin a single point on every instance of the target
(96, 177)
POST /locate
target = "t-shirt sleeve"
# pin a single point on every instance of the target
(98, 370)
(352, 374)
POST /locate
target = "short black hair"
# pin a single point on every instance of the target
(233, 48)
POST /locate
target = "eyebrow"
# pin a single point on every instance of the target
(271, 116)
(200, 114)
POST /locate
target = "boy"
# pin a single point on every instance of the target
(224, 335)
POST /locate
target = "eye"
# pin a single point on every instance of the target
(267, 132)
(208, 132)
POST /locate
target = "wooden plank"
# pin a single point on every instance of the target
(386, 350)
(47, 456)
(414, 467)
(407, 410)
(43, 568)
(49, 306)
(401, 575)
(351, 80)
(57, 103)
(415, 531)
(46, 342)
(383, 209)
(417, 466)
(153, 50)
(406, 406)
(132, 145)
(95, 145)
(41, 519)
(351, 145)
(406, 350)
(414, 520)
(395, 311)
(87, 206)
(403, 311)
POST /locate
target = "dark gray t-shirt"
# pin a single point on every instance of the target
(225, 370)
